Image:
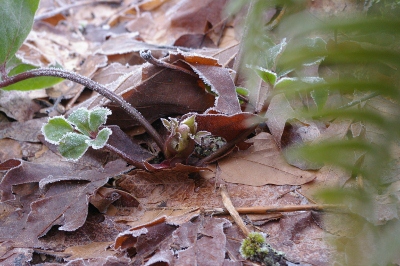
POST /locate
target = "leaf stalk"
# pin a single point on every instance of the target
(90, 84)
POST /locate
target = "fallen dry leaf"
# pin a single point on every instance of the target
(171, 93)
(17, 105)
(279, 111)
(227, 126)
(188, 242)
(23, 131)
(51, 196)
(262, 164)
(93, 250)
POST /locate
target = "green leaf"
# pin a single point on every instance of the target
(16, 19)
(242, 91)
(320, 97)
(274, 53)
(101, 139)
(98, 117)
(80, 118)
(268, 76)
(55, 129)
(32, 83)
(73, 146)
(166, 124)
(284, 83)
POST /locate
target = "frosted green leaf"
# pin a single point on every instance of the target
(166, 124)
(274, 53)
(98, 117)
(320, 97)
(268, 76)
(190, 121)
(80, 118)
(171, 125)
(284, 83)
(101, 139)
(16, 19)
(73, 146)
(242, 91)
(55, 129)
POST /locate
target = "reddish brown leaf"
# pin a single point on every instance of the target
(222, 84)
(9, 164)
(194, 41)
(157, 187)
(196, 16)
(104, 197)
(216, 76)
(201, 242)
(226, 126)
(60, 199)
(144, 240)
(169, 92)
(121, 141)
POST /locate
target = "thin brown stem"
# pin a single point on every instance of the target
(87, 82)
(146, 55)
(124, 156)
(278, 209)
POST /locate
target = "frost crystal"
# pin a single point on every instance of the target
(55, 129)
(73, 146)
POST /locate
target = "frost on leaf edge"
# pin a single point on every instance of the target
(82, 153)
(91, 142)
(42, 129)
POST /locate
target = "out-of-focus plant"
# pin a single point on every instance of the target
(355, 63)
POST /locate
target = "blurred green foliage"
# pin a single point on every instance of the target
(347, 64)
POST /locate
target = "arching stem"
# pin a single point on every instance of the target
(90, 84)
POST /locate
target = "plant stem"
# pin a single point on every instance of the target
(124, 156)
(146, 55)
(87, 82)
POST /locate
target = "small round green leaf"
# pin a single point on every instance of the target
(80, 119)
(101, 139)
(55, 129)
(98, 117)
(73, 146)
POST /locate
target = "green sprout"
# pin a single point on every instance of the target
(183, 136)
(255, 248)
(78, 132)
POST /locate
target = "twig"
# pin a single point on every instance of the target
(271, 209)
(146, 55)
(288, 208)
(232, 211)
(124, 156)
(87, 82)
(278, 209)
(363, 99)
